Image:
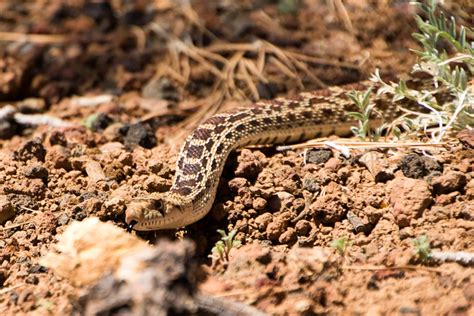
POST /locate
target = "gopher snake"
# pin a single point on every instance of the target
(202, 158)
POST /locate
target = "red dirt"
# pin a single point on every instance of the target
(286, 211)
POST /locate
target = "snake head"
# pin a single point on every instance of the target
(153, 213)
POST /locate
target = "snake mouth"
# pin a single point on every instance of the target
(158, 212)
(149, 214)
(130, 226)
(133, 217)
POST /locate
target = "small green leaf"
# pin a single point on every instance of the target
(462, 37)
(422, 247)
(355, 115)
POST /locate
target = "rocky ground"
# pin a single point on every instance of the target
(89, 122)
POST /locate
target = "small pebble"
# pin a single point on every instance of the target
(263, 220)
(310, 183)
(7, 211)
(36, 172)
(303, 227)
(288, 237)
(259, 204)
(318, 156)
(451, 181)
(275, 230)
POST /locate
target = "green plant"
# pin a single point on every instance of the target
(422, 247)
(289, 6)
(89, 121)
(366, 109)
(341, 245)
(449, 73)
(222, 247)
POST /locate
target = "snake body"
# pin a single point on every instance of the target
(202, 158)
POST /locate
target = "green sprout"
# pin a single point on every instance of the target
(341, 245)
(289, 6)
(223, 247)
(362, 101)
(422, 247)
(89, 121)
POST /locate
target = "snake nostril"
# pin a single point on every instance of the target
(130, 226)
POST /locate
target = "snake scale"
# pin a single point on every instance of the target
(203, 155)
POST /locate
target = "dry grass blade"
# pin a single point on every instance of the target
(272, 26)
(261, 60)
(321, 61)
(193, 17)
(343, 15)
(32, 38)
(362, 145)
(11, 288)
(280, 54)
(186, 69)
(283, 68)
(235, 76)
(164, 71)
(254, 70)
(229, 71)
(377, 268)
(210, 55)
(174, 58)
(308, 73)
(248, 80)
(231, 47)
(207, 107)
(140, 36)
(286, 71)
(14, 226)
(194, 54)
(265, 47)
(288, 63)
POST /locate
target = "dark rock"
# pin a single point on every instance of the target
(3, 277)
(101, 122)
(318, 156)
(267, 90)
(8, 125)
(32, 279)
(416, 166)
(31, 149)
(36, 172)
(138, 134)
(37, 268)
(102, 13)
(57, 137)
(310, 183)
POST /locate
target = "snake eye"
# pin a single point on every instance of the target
(158, 206)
